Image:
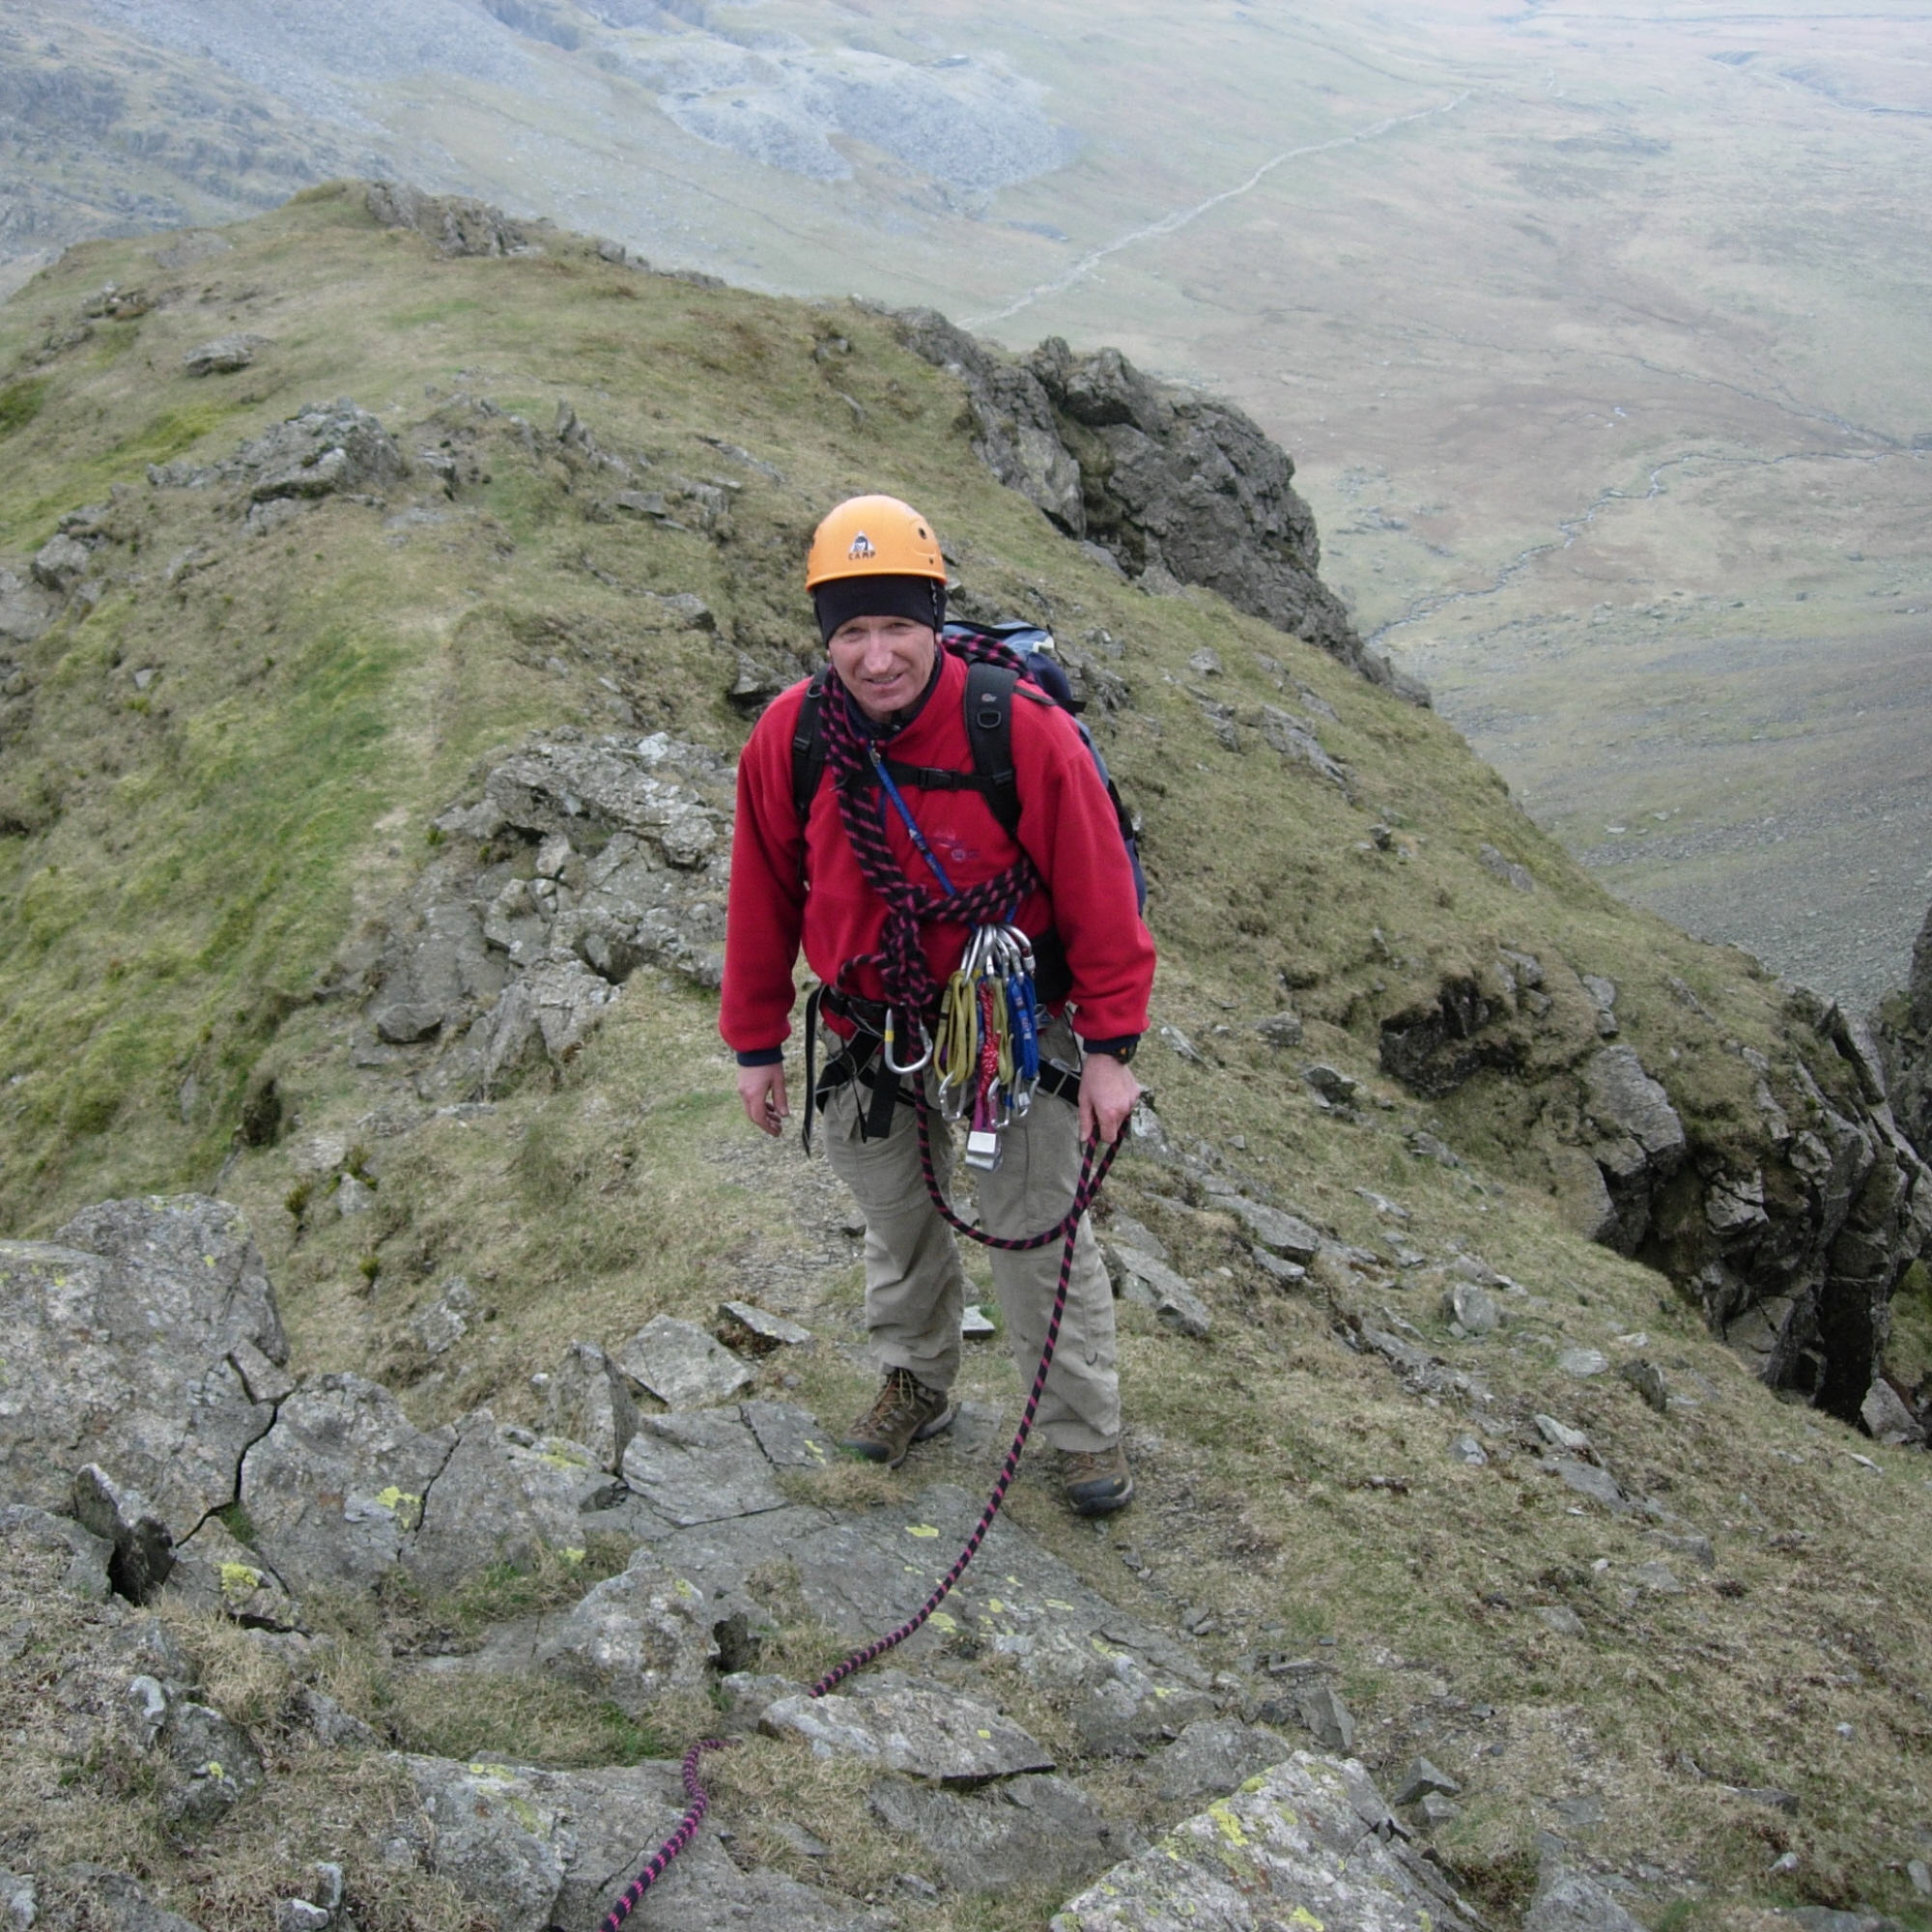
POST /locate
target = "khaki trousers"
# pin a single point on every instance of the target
(916, 1288)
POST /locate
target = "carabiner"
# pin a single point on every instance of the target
(885, 1046)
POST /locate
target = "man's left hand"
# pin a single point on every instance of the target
(1108, 1091)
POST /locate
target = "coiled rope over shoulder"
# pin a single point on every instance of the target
(900, 958)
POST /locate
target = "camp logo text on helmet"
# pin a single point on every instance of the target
(862, 548)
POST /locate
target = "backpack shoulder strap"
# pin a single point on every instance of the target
(808, 748)
(989, 730)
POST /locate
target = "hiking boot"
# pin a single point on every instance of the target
(906, 1412)
(1098, 1481)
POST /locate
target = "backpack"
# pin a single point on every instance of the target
(990, 690)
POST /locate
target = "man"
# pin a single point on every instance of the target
(878, 585)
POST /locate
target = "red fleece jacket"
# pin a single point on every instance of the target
(1067, 826)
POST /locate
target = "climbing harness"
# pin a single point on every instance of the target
(1094, 1161)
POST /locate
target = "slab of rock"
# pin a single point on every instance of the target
(1587, 1480)
(1471, 1308)
(790, 1435)
(1423, 1778)
(702, 1465)
(1560, 1620)
(1154, 1285)
(1582, 1363)
(680, 1364)
(1281, 1234)
(588, 1400)
(1659, 1578)
(224, 355)
(1290, 1846)
(215, 1762)
(440, 1324)
(1023, 1831)
(119, 1338)
(633, 1637)
(1570, 1901)
(1213, 1754)
(533, 1849)
(919, 1729)
(1323, 1712)
(501, 1498)
(215, 1570)
(1886, 1418)
(758, 1330)
(1624, 1097)
(336, 1491)
(1560, 1436)
(868, 1575)
(1648, 1381)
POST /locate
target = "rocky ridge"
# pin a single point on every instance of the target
(335, 1489)
(585, 859)
(1166, 484)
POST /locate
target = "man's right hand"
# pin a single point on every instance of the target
(762, 1090)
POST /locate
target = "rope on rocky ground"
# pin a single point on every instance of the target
(1094, 1161)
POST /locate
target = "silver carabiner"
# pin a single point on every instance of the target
(885, 1047)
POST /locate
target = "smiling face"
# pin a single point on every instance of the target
(884, 662)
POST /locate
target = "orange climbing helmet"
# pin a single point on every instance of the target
(875, 556)
(874, 536)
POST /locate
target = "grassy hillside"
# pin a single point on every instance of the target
(219, 763)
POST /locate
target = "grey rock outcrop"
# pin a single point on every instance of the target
(582, 860)
(215, 1763)
(501, 1498)
(1789, 1215)
(120, 1339)
(83, 1555)
(919, 1729)
(704, 1465)
(214, 1570)
(1212, 1755)
(1904, 1030)
(326, 450)
(680, 1364)
(1022, 1830)
(586, 1399)
(1640, 1139)
(1571, 1901)
(1309, 1838)
(633, 1637)
(224, 355)
(541, 1847)
(453, 223)
(1168, 483)
(336, 1491)
(143, 1549)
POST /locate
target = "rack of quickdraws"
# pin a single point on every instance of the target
(986, 1052)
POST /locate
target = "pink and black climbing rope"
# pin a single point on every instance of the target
(1093, 1165)
(911, 990)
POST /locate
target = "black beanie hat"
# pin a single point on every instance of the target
(838, 601)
